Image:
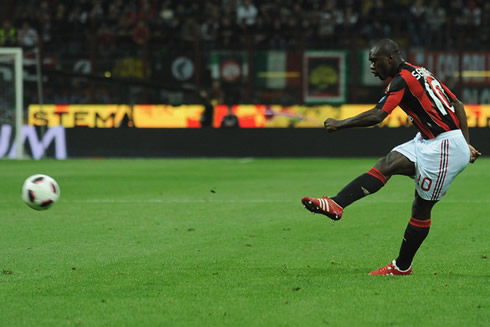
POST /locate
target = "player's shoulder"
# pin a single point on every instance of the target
(406, 66)
(399, 81)
(407, 70)
(407, 74)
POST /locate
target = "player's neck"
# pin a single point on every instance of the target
(398, 64)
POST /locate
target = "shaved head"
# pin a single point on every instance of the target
(385, 47)
(385, 58)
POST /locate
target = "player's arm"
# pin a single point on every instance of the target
(365, 119)
(383, 108)
(461, 113)
(463, 125)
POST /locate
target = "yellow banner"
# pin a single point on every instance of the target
(78, 115)
(165, 116)
(110, 116)
(188, 116)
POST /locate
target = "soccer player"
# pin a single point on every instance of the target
(440, 150)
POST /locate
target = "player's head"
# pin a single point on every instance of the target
(385, 58)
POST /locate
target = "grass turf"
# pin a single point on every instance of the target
(227, 242)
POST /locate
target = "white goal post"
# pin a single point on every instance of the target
(17, 55)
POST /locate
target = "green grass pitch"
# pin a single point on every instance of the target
(226, 242)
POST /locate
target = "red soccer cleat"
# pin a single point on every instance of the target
(324, 206)
(391, 270)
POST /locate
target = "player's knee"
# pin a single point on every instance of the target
(384, 166)
(421, 209)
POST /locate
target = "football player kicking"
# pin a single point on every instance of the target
(440, 150)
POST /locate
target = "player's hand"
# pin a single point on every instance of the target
(474, 153)
(331, 125)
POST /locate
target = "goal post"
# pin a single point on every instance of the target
(13, 73)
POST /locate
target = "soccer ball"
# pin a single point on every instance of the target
(40, 192)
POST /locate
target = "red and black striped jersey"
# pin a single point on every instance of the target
(424, 98)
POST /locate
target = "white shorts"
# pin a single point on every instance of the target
(437, 162)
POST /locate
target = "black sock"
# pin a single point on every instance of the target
(415, 234)
(363, 185)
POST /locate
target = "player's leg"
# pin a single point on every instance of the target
(400, 161)
(439, 161)
(394, 163)
(416, 231)
(415, 234)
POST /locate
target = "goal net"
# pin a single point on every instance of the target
(11, 96)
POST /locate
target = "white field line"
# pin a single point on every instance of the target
(294, 201)
(244, 201)
(177, 201)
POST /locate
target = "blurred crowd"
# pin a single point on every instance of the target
(263, 24)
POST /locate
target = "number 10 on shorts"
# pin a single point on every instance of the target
(425, 183)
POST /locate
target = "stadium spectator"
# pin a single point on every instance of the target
(348, 25)
(77, 19)
(181, 11)
(298, 12)
(174, 30)
(211, 10)
(46, 29)
(376, 20)
(417, 25)
(455, 26)
(443, 23)
(308, 33)
(436, 21)
(167, 13)
(112, 17)
(208, 112)
(485, 30)
(327, 22)
(159, 31)
(230, 120)
(67, 29)
(472, 19)
(60, 24)
(259, 33)
(190, 30)
(267, 10)
(277, 38)
(141, 33)
(293, 33)
(440, 150)
(27, 36)
(244, 33)
(97, 11)
(123, 30)
(8, 34)
(246, 12)
(44, 11)
(145, 13)
(226, 34)
(106, 39)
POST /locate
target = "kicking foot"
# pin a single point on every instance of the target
(324, 206)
